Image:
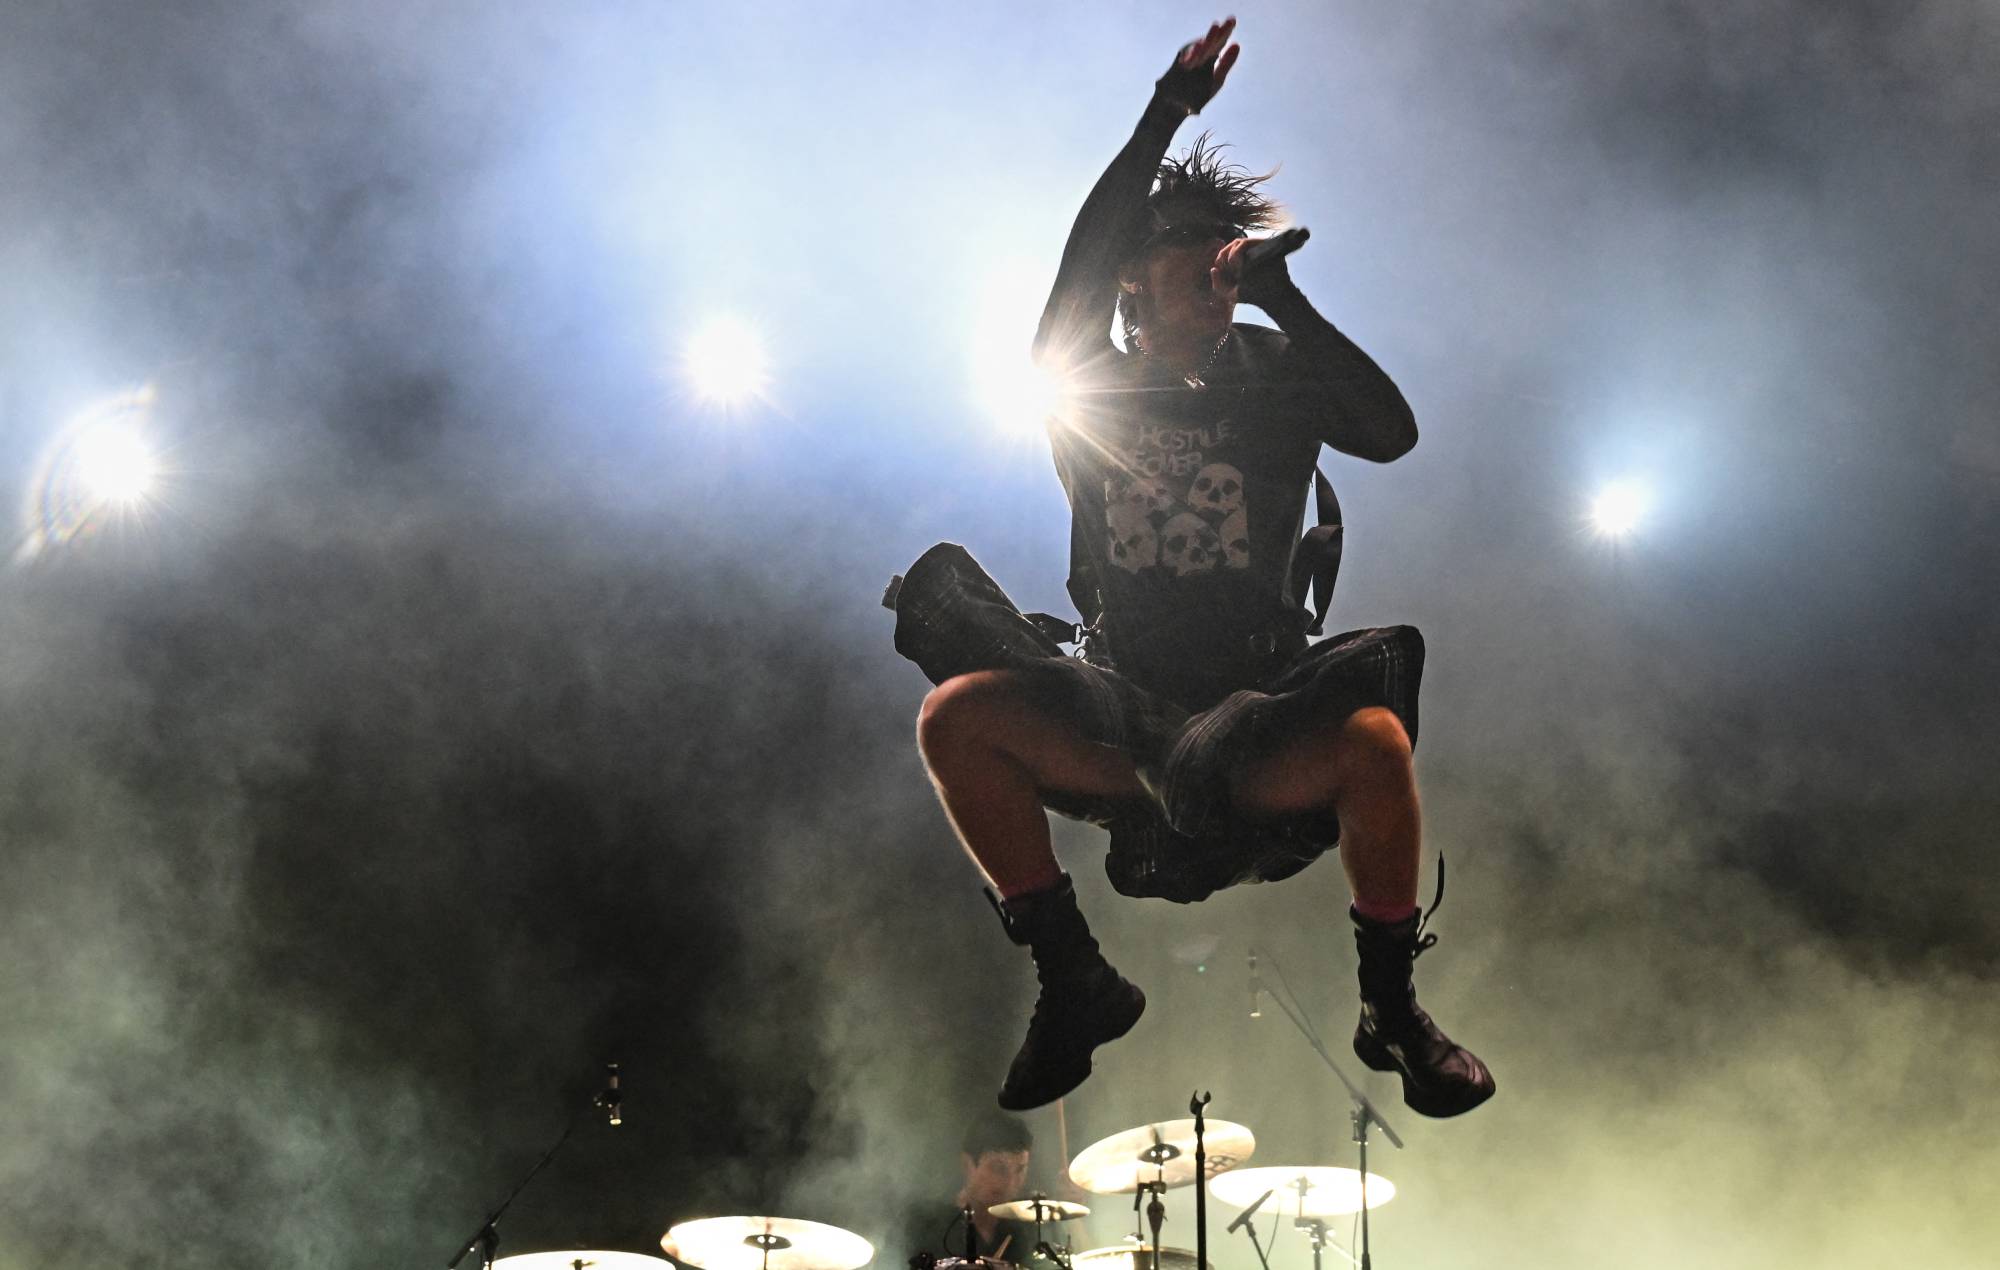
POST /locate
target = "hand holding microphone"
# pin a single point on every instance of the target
(1250, 270)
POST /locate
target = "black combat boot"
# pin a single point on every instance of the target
(1440, 1078)
(1083, 1002)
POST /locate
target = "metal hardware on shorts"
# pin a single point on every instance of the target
(1263, 644)
(1059, 631)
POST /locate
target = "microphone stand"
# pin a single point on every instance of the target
(1250, 1229)
(1196, 1102)
(1364, 1114)
(487, 1237)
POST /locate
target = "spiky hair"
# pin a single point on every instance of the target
(1200, 189)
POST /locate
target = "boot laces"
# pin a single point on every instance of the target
(1425, 941)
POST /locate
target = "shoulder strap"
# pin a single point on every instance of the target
(1316, 563)
(1082, 584)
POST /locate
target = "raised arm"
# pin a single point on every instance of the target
(1076, 322)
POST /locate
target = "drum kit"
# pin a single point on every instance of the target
(1144, 1162)
(1153, 1159)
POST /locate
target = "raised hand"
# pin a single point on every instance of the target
(1199, 69)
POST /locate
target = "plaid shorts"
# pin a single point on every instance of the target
(1182, 841)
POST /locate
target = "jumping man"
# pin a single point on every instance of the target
(1201, 728)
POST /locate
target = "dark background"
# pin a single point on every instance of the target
(472, 704)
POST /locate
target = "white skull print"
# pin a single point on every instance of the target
(1235, 533)
(1188, 545)
(1217, 489)
(1149, 492)
(1134, 545)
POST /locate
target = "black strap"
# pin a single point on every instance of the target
(1082, 583)
(1316, 563)
(1059, 630)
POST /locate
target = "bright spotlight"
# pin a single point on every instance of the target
(1019, 394)
(1619, 508)
(100, 465)
(1008, 387)
(116, 464)
(726, 364)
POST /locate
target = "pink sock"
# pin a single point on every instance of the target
(1384, 914)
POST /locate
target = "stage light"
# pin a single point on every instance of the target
(1015, 393)
(1019, 395)
(1619, 508)
(725, 363)
(116, 464)
(100, 465)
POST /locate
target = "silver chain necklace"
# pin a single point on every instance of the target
(1198, 378)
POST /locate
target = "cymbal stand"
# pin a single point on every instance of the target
(1315, 1229)
(1156, 1155)
(767, 1243)
(1364, 1114)
(1156, 1212)
(1042, 1246)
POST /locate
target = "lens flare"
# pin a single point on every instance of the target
(100, 466)
(117, 465)
(1020, 396)
(1014, 393)
(1620, 508)
(726, 364)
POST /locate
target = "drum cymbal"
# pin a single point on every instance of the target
(582, 1261)
(1039, 1208)
(1161, 1152)
(1303, 1190)
(1133, 1257)
(753, 1243)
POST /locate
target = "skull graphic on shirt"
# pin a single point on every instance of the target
(1134, 543)
(1188, 545)
(1235, 535)
(1217, 490)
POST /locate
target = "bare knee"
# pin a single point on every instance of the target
(960, 711)
(1376, 737)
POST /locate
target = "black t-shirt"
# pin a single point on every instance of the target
(1187, 505)
(1187, 502)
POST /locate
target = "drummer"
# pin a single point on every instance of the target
(993, 1158)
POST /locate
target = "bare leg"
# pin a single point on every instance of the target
(1360, 767)
(990, 752)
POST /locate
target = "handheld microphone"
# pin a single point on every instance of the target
(1256, 989)
(1250, 1212)
(1265, 250)
(612, 1100)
